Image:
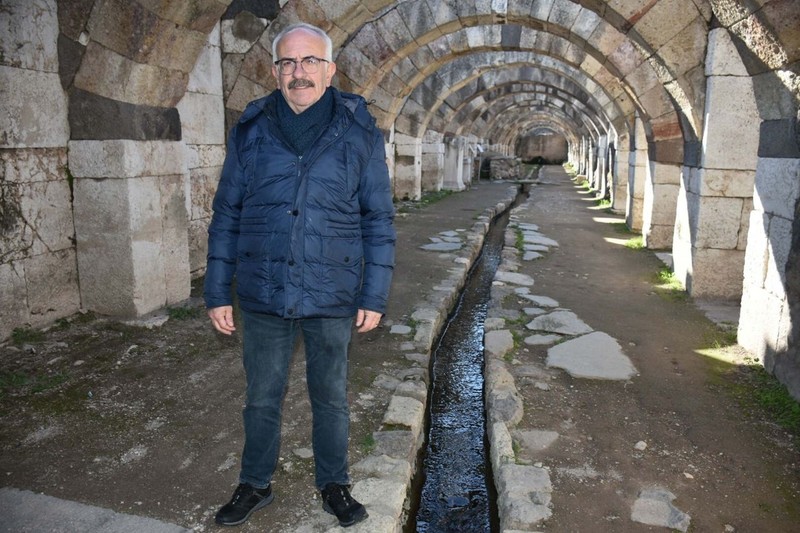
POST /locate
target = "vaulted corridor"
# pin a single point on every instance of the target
(681, 115)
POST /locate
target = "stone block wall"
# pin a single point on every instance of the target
(131, 224)
(38, 269)
(765, 324)
(202, 114)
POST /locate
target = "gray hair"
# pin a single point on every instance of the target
(308, 27)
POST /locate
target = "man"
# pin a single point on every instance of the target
(303, 221)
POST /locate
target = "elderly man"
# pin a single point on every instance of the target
(303, 222)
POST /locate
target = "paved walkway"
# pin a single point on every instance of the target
(603, 412)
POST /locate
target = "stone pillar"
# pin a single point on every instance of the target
(716, 199)
(662, 182)
(38, 268)
(453, 164)
(600, 179)
(619, 175)
(407, 167)
(432, 162)
(202, 115)
(130, 224)
(637, 176)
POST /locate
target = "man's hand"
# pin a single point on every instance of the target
(367, 320)
(222, 319)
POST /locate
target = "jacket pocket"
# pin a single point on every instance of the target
(340, 270)
(253, 269)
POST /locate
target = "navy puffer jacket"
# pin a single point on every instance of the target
(308, 236)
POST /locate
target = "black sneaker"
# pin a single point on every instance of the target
(245, 501)
(337, 501)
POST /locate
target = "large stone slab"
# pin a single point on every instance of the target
(593, 356)
(654, 507)
(563, 322)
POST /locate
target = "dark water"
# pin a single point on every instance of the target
(457, 492)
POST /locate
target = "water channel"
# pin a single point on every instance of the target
(457, 492)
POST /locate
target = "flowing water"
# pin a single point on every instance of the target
(457, 492)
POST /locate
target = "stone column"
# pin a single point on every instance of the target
(453, 167)
(619, 175)
(432, 162)
(662, 182)
(637, 176)
(716, 199)
(407, 167)
(130, 224)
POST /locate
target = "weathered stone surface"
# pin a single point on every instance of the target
(405, 411)
(135, 83)
(34, 109)
(202, 117)
(498, 343)
(13, 289)
(563, 322)
(206, 76)
(513, 278)
(94, 117)
(123, 158)
(384, 496)
(398, 444)
(52, 286)
(132, 247)
(119, 25)
(541, 340)
(29, 36)
(534, 441)
(384, 467)
(654, 507)
(724, 124)
(524, 496)
(593, 356)
(777, 186)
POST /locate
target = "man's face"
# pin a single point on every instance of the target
(301, 89)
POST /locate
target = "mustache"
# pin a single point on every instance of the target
(300, 83)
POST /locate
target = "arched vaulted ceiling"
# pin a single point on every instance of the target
(414, 58)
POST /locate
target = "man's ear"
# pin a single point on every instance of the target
(331, 73)
(275, 71)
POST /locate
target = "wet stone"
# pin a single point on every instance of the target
(564, 322)
(442, 247)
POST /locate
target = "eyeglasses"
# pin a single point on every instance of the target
(310, 65)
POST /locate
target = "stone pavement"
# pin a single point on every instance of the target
(599, 411)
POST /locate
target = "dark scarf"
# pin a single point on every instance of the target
(301, 130)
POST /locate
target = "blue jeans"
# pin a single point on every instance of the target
(268, 345)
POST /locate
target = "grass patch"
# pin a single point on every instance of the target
(604, 203)
(22, 336)
(425, 200)
(18, 382)
(668, 285)
(519, 241)
(635, 243)
(762, 395)
(183, 313)
(368, 443)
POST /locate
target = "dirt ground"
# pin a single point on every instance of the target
(147, 421)
(728, 466)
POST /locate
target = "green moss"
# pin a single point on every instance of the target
(183, 313)
(22, 336)
(666, 284)
(368, 443)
